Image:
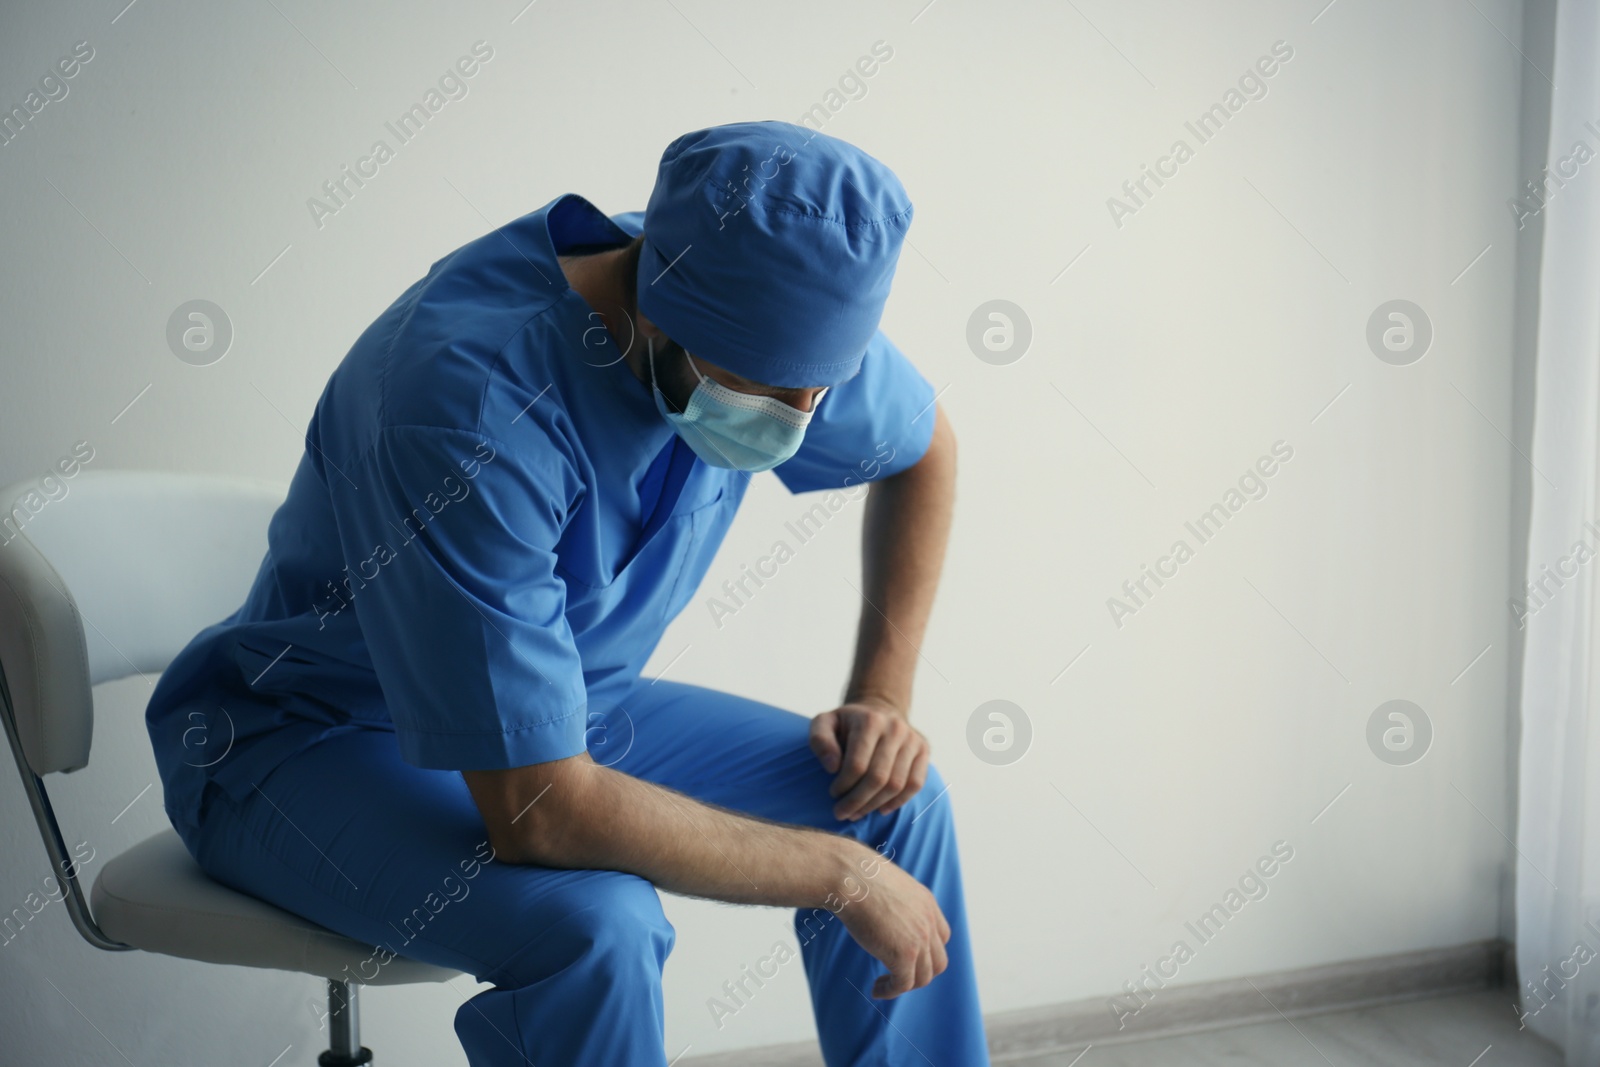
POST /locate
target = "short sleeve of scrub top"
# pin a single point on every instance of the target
(463, 615)
(872, 425)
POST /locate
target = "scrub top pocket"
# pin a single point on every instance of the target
(619, 623)
(696, 535)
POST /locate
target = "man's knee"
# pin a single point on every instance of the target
(610, 925)
(624, 919)
(931, 806)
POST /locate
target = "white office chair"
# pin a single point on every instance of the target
(107, 576)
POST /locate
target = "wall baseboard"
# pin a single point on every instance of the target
(1199, 1006)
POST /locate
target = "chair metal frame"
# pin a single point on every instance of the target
(344, 1015)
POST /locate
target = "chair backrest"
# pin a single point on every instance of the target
(111, 574)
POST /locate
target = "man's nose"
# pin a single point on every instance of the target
(809, 403)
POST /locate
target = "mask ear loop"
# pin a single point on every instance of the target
(650, 341)
(692, 367)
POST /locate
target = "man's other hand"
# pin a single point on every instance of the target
(878, 759)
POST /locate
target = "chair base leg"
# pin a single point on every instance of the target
(344, 1038)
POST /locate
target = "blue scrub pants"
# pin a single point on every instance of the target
(349, 836)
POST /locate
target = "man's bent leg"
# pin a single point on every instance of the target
(754, 757)
(351, 837)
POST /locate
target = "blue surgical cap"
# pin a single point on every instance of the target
(769, 249)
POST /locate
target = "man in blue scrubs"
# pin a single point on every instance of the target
(426, 727)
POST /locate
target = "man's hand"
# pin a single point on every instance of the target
(899, 923)
(879, 760)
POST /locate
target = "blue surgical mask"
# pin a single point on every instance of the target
(734, 430)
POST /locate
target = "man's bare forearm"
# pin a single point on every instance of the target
(574, 813)
(903, 538)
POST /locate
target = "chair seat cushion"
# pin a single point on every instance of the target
(155, 897)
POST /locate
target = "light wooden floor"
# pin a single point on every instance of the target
(1474, 1030)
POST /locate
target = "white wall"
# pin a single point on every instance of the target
(1222, 317)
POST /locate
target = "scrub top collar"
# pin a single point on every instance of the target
(571, 221)
(652, 457)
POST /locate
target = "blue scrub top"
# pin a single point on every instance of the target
(489, 530)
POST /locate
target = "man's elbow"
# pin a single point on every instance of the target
(516, 841)
(531, 813)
